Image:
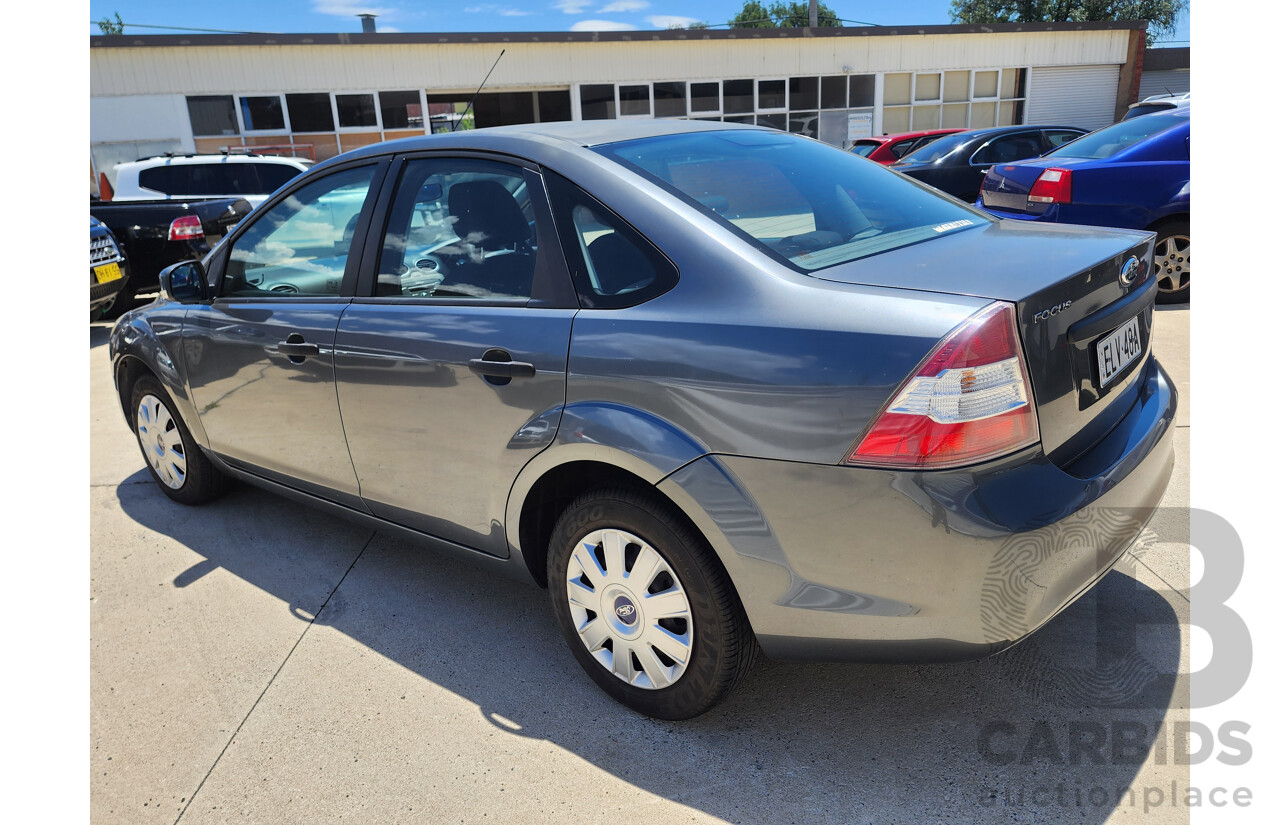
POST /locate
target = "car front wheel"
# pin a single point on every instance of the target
(644, 607)
(173, 458)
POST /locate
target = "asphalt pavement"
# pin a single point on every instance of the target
(256, 661)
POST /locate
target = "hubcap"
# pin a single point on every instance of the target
(161, 441)
(630, 609)
(1173, 263)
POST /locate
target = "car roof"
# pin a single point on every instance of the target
(922, 133)
(183, 160)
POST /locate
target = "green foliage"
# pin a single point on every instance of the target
(755, 15)
(1162, 14)
(109, 26)
(698, 24)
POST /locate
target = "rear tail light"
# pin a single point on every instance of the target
(186, 228)
(1053, 186)
(969, 402)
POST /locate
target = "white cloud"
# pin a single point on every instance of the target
(388, 30)
(572, 6)
(489, 8)
(666, 21)
(601, 26)
(625, 5)
(514, 13)
(344, 8)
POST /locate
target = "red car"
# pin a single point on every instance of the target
(888, 148)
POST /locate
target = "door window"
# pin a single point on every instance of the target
(300, 246)
(1008, 148)
(459, 229)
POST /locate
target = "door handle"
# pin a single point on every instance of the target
(297, 348)
(502, 369)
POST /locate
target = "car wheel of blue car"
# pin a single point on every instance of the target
(1172, 259)
(173, 458)
(643, 605)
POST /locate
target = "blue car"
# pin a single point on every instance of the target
(1135, 174)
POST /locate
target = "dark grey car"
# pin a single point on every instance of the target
(721, 390)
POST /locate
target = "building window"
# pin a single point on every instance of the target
(835, 92)
(804, 93)
(554, 106)
(400, 110)
(739, 96)
(669, 100)
(312, 112)
(704, 98)
(597, 101)
(771, 95)
(633, 100)
(262, 114)
(213, 115)
(356, 111)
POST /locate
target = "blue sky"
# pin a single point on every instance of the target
(486, 15)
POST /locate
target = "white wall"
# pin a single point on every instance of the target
(140, 118)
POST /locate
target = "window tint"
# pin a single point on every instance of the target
(356, 110)
(1058, 137)
(300, 246)
(310, 112)
(613, 265)
(902, 147)
(212, 115)
(865, 148)
(1008, 148)
(938, 148)
(459, 229)
(262, 113)
(202, 179)
(1106, 142)
(400, 110)
(803, 202)
(271, 176)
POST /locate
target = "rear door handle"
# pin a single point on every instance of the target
(502, 369)
(296, 347)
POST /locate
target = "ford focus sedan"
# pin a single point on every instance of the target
(720, 390)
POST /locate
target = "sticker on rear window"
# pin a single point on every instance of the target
(945, 227)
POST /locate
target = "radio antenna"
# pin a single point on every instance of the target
(481, 86)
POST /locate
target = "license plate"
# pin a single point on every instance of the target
(107, 272)
(1117, 351)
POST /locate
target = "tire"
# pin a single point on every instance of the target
(1172, 261)
(692, 654)
(173, 458)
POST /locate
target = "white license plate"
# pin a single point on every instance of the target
(1117, 351)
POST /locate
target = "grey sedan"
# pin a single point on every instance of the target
(720, 390)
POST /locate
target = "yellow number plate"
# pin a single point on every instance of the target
(107, 272)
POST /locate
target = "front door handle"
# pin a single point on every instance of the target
(502, 369)
(296, 347)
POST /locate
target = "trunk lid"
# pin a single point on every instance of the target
(1007, 185)
(1071, 299)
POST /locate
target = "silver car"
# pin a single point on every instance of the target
(721, 390)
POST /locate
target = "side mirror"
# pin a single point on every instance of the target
(184, 282)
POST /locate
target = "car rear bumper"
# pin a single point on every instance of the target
(850, 564)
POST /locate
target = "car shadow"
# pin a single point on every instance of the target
(99, 334)
(1043, 731)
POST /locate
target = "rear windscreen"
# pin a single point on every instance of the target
(1116, 138)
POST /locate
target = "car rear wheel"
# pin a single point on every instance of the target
(1172, 260)
(645, 609)
(173, 458)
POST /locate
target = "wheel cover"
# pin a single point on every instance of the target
(1173, 263)
(644, 638)
(161, 442)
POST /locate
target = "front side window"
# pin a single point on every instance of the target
(300, 246)
(805, 203)
(459, 229)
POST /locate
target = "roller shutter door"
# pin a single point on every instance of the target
(1083, 96)
(1164, 82)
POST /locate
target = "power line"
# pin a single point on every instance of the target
(182, 28)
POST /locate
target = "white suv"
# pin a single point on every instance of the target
(252, 177)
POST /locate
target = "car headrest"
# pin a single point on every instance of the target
(487, 215)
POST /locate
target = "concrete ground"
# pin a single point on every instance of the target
(255, 661)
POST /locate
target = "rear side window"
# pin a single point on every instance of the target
(864, 149)
(271, 176)
(1008, 148)
(202, 179)
(613, 265)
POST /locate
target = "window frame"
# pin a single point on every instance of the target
(352, 130)
(786, 96)
(245, 132)
(702, 113)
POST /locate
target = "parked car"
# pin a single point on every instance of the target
(108, 269)
(957, 163)
(1135, 174)
(721, 389)
(1157, 103)
(154, 234)
(252, 177)
(888, 148)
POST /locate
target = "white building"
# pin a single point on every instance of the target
(333, 92)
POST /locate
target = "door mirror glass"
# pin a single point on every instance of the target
(183, 282)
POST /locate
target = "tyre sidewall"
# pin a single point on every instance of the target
(1164, 231)
(201, 479)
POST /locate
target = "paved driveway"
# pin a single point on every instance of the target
(255, 661)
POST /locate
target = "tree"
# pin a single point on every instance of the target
(1162, 14)
(755, 15)
(109, 26)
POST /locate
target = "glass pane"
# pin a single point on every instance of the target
(212, 115)
(668, 100)
(750, 120)
(554, 106)
(982, 115)
(896, 119)
(862, 90)
(300, 246)
(459, 229)
(704, 97)
(310, 112)
(925, 117)
(804, 93)
(803, 123)
(262, 113)
(1013, 83)
(928, 87)
(984, 84)
(778, 121)
(897, 88)
(833, 128)
(597, 101)
(633, 100)
(271, 176)
(400, 110)
(356, 110)
(1010, 113)
(739, 96)
(772, 94)
(955, 86)
(835, 92)
(955, 115)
